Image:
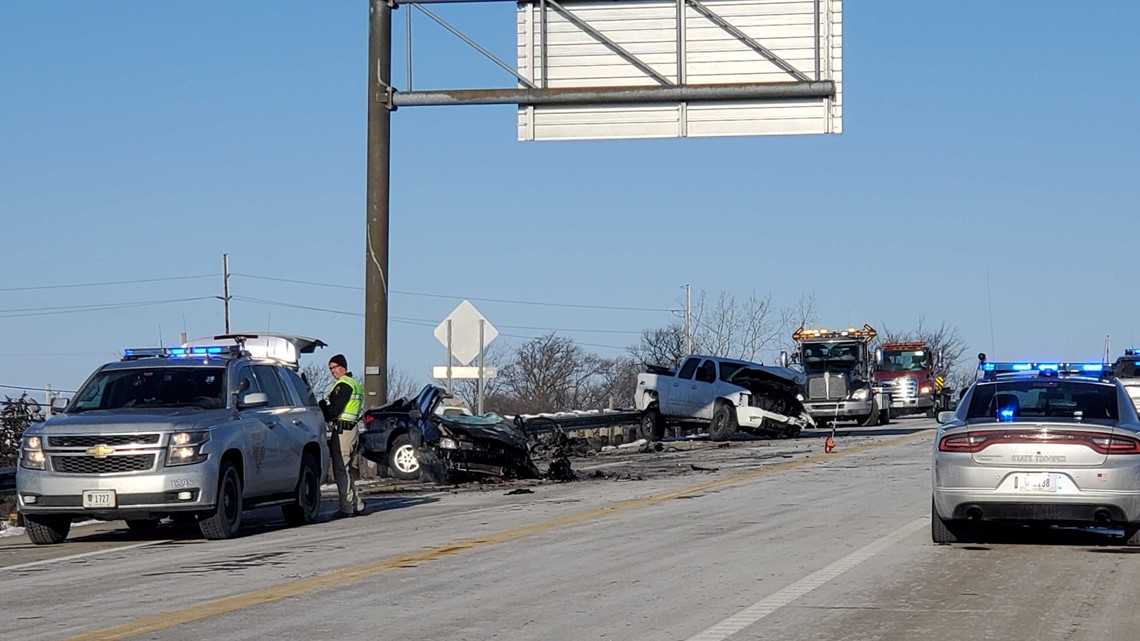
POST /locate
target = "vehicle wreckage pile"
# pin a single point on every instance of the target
(427, 437)
(454, 448)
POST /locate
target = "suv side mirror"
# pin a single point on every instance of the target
(58, 404)
(945, 417)
(783, 359)
(256, 399)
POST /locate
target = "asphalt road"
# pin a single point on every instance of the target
(760, 540)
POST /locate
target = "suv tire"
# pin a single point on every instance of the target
(306, 505)
(225, 520)
(47, 530)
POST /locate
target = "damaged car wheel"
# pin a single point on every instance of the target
(402, 461)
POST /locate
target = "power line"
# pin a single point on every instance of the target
(453, 297)
(36, 389)
(73, 309)
(431, 323)
(117, 282)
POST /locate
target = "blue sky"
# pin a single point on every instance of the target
(141, 140)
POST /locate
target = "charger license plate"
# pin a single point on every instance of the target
(1036, 482)
(98, 498)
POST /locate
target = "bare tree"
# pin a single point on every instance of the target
(663, 346)
(495, 355)
(16, 415)
(944, 339)
(748, 329)
(319, 378)
(400, 383)
(551, 374)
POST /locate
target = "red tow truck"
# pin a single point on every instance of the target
(909, 372)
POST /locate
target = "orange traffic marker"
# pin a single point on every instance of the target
(829, 445)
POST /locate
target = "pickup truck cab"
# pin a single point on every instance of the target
(199, 433)
(723, 394)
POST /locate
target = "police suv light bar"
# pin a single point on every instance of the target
(181, 352)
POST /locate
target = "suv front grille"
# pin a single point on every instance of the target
(109, 465)
(111, 440)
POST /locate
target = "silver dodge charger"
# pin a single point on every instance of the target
(1041, 443)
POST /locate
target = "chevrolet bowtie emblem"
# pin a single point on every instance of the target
(101, 451)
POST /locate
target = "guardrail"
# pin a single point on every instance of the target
(7, 479)
(576, 421)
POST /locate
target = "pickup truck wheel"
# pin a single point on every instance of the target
(402, 461)
(225, 520)
(47, 530)
(307, 495)
(723, 426)
(885, 416)
(652, 427)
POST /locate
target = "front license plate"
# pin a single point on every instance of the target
(1035, 482)
(99, 498)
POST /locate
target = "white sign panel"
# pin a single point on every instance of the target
(706, 44)
(439, 372)
(465, 332)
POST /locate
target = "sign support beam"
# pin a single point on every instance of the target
(377, 180)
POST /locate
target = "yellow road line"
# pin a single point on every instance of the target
(348, 575)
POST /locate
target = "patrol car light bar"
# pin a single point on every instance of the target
(1045, 369)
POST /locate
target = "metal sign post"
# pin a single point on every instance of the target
(482, 327)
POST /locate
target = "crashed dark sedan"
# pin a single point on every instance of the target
(451, 449)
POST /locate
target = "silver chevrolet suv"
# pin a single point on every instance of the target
(196, 433)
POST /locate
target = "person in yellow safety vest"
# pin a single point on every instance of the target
(343, 409)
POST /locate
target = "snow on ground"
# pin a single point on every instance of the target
(11, 530)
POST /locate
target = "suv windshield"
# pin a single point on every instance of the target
(1044, 398)
(153, 387)
(905, 361)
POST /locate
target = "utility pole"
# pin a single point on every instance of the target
(377, 180)
(688, 319)
(226, 288)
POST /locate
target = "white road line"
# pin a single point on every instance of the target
(770, 604)
(33, 564)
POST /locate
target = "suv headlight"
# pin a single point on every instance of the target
(447, 443)
(186, 448)
(861, 394)
(32, 453)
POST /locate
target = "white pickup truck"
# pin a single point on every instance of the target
(726, 395)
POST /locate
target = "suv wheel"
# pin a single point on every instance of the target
(47, 530)
(225, 520)
(402, 461)
(306, 503)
